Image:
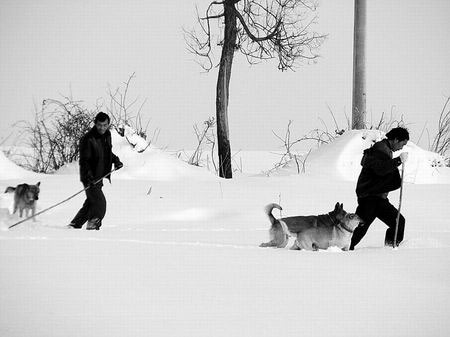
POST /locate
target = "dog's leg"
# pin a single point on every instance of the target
(33, 211)
(346, 248)
(268, 244)
(295, 246)
(283, 243)
(314, 247)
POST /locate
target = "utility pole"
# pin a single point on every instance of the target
(359, 66)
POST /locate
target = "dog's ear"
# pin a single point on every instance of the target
(38, 184)
(342, 207)
(336, 207)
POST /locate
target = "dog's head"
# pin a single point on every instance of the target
(338, 213)
(351, 220)
(32, 193)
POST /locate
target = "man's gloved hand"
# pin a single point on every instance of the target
(118, 165)
(403, 157)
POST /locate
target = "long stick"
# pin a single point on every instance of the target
(399, 207)
(61, 202)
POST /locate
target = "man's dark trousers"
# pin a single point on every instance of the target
(94, 206)
(370, 208)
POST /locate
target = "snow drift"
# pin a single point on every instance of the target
(341, 159)
(178, 254)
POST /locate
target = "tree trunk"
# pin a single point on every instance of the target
(359, 66)
(222, 91)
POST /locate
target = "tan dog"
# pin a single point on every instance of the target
(25, 197)
(313, 232)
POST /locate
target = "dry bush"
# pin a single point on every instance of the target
(55, 134)
(441, 142)
(206, 140)
(320, 136)
(124, 112)
(58, 126)
(206, 143)
(289, 154)
(204, 152)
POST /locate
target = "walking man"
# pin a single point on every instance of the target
(380, 175)
(96, 159)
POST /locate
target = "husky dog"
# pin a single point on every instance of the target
(313, 232)
(25, 197)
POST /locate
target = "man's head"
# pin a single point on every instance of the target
(398, 137)
(102, 122)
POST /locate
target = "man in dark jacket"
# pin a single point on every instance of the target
(380, 175)
(96, 159)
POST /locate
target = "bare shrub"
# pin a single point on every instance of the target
(58, 125)
(384, 123)
(441, 142)
(4, 139)
(289, 154)
(320, 136)
(124, 112)
(206, 140)
(55, 133)
(206, 143)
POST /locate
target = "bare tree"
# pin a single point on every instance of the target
(260, 30)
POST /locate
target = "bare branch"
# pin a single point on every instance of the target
(253, 37)
(267, 29)
(441, 142)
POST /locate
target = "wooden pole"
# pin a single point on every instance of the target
(359, 66)
(399, 207)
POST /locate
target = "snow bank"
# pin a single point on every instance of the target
(151, 163)
(9, 170)
(184, 260)
(5, 219)
(341, 160)
(144, 162)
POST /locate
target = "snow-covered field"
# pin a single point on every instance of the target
(178, 253)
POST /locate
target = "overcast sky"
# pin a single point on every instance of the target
(50, 48)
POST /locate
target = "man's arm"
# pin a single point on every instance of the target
(380, 163)
(116, 161)
(86, 173)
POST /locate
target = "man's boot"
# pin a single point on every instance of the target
(73, 226)
(93, 224)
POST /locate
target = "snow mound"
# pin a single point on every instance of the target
(143, 161)
(9, 170)
(70, 168)
(341, 160)
(4, 219)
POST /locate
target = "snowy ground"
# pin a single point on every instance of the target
(178, 254)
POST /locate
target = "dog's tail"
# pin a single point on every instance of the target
(10, 189)
(268, 210)
(279, 231)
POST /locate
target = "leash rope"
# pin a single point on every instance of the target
(61, 202)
